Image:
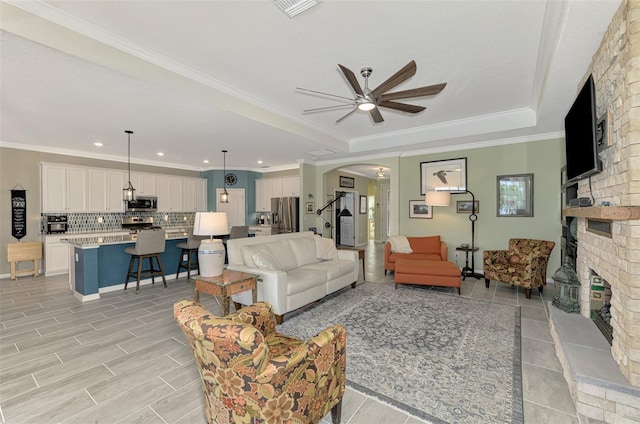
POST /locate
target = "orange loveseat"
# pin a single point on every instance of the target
(428, 248)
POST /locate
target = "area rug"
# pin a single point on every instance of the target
(440, 357)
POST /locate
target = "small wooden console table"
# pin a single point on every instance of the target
(225, 285)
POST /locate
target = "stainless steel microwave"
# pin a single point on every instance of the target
(142, 204)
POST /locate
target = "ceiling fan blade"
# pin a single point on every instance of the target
(323, 94)
(320, 109)
(402, 107)
(348, 113)
(414, 92)
(351, 77)
(402, 75)
(376, 115)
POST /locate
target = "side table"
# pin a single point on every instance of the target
(469, 270)
(227, 284)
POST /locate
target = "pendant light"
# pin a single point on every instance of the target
(129, 193)
(224, 196)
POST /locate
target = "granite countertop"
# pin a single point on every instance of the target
(97, 241)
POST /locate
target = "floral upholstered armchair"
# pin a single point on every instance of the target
(253, 374)
(524, 264)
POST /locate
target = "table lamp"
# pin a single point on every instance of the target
(211, 252)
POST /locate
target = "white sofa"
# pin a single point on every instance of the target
(295, 268)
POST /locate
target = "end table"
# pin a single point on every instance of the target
(227, 284)
(469, 270)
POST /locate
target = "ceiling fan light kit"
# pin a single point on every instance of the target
(294, 7)
(371, 100)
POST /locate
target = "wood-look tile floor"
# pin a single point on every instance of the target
(123, 359)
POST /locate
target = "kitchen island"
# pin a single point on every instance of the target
(99, 264)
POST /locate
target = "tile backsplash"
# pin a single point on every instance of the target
(92, 222)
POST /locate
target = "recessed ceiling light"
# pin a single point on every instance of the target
(97, 144)
(160, 154)
(206, 161)
(259, 161)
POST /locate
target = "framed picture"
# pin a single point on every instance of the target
(515, 195)
(309, 208)
(465, 206)
(418, 209)
(347, 182)
(363, 204)
(444, 175)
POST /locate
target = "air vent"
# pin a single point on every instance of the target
(294, 7)
(596, 226)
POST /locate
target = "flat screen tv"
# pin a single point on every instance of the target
(580, 135)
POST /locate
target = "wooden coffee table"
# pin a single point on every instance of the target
(225, 285)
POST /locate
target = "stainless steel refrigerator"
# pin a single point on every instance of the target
(285, 215)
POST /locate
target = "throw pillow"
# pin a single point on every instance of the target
(281, 249)
(399, 244)
(247, 253)
(325, 248)
(266, 260)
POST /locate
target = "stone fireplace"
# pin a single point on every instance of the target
(612, 393)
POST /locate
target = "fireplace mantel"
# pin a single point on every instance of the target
(611, 213)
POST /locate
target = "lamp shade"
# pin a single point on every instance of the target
(210, 224)
(437, 198)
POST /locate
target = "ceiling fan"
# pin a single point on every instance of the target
(371, 100)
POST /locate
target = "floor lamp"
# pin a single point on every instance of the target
(443, 198)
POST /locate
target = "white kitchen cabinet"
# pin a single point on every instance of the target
(105, 191)
(115, 184)
(276, 187)
(170, 193)
(56, 255)
(201, 195)
(145, 184)
(189, 195)
(260, 196)
(291, 186)
(267, 188)
(64, 188)
(194, 195)
(76, 189)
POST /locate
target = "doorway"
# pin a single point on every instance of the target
(235, 208)
(345, 219)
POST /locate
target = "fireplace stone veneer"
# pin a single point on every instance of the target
(612, 394)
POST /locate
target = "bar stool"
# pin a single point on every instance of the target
(190, 247)
(149, 244)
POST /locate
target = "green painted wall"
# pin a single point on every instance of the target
(541, 158)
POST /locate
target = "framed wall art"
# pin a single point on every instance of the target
(418, 209)
(444, 175)
(363, 204)
(347, 182)
(466, 206)
(309, 208)
(515, 195)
